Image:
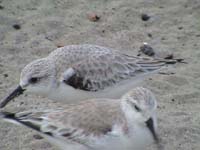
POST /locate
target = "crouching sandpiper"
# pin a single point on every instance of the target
(128, 123)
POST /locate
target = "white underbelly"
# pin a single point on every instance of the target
(138, 139)
(68, 94)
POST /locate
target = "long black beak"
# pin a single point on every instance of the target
(150, 125)
(18, 91)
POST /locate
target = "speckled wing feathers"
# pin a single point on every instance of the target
(98, 67)
(68, 123)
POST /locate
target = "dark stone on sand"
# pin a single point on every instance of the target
(21, 103)
(180, 28)
(37, 136)
(145, 17)
(163, 38)
(5, 75)
(1, 7)
(16, 26)
(149, 35)
(147, 50)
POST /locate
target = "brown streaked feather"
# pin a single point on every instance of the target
(99, 67)
(75, 122)
(97, 119)
(94, 74)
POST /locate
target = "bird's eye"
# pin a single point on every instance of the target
(137, 108)
(33, 80)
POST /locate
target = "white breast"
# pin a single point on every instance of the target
(68, 94)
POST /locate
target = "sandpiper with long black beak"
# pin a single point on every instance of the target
(78, 72)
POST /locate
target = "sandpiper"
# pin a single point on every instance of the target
(79, 72)
(128, 123)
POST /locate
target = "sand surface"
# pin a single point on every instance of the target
(174, 26)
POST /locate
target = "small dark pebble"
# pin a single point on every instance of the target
(1, 7)
(5, 75)
(149, 35)
(198, 35)
(173, 100)
(16, 26)
(186, 6)
(163, 38)
(147, 50)
(145, 17)
(180, 28)
(38, 137)
(49, 38)
(21, 103)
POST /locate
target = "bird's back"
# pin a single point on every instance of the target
(96, 68)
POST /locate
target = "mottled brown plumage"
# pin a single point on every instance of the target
(79, 72)
(97, 123)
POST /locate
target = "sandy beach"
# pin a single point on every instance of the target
(31, 29)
